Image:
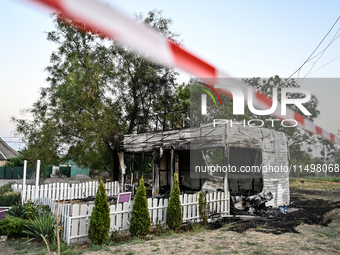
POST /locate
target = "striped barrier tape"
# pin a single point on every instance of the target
(115, 25)
(314, 180)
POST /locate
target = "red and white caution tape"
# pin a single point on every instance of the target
(115, 25)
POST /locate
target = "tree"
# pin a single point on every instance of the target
(100, 218)
(97, 92)
(17, 161)
(148, 85)
(296, 136)
(140, 218)
(174, 211)
(203, 208)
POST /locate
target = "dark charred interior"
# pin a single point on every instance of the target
(246, 183)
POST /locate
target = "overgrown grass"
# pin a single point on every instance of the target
(65, 249)
(328, 179)
(331, 231)
(312, 185)
(22, 248)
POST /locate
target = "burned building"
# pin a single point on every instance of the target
(257, 158)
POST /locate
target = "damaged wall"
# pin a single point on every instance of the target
(265, 147)
(274, 152)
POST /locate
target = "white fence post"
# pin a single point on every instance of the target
(23, 192)
(37, 180)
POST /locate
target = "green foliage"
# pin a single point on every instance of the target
(295, 135)
(328, 179)
(6, 188)
(140, 218)
(41, 224)
(17, 211)
(7, 196)
(100, 218)
(174, 211)
(12, 226)
(203, 208)
(98, 91)
(17, 161)
(28, 210)
(10, 198)
(65, 249)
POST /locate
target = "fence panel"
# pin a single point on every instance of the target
(76, 222)
(61, 191)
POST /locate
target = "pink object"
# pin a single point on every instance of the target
(2, 214)
(124, 197)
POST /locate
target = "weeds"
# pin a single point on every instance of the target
(329, 231)
(137, 240)
(259, 252)
(250, 243)
(118, 250)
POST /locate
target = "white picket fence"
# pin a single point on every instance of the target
(76, 218)
(66, 191)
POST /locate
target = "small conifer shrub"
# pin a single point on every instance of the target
(203, 208)
(140, 218)
(174, 211)
(100, 218)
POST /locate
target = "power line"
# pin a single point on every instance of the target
(322, 52)
(326, 64)
(309, 58)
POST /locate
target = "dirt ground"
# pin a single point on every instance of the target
(312, 226)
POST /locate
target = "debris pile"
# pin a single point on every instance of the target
(255, 205)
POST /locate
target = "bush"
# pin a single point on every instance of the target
(10, 198)
(6, 188)
(140, 218)
(32, 208)
(17, 161)
(202, 208)
(12, 226)
(17, 211)
(41, 224)
(100, 218)
(174, 211)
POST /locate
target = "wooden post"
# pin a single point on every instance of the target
(122, 188)
(172, 167)
(155, 172)
(142, 164)
(226, 159)
(133, 168)
(225, 162)
(176, 163)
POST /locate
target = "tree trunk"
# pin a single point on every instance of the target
(115, 166)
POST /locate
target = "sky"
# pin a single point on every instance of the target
(243, 38)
